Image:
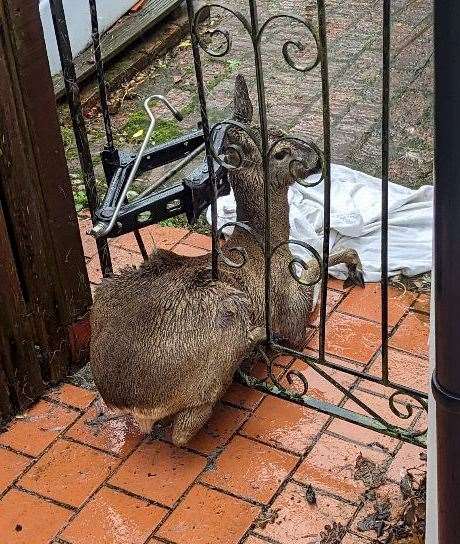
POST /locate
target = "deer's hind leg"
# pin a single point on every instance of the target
(188, 422)
(348, 257)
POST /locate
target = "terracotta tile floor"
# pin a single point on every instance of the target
(68, 478)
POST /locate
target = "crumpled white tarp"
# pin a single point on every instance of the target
(356, 221)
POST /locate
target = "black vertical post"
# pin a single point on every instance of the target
(110, 150)
(446, 378)
(78, 121)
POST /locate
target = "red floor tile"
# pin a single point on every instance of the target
(295, 520)
(250, 469)
(350, 337)
(159, 472)
(403, 369)
(422, 304)
(25, 519)
(334, 283)
(254, 540)
(154, 236)
(206, 516)
(111, 517)
(189, 251)
(353, 539)
(121, 258)
(330, 466)
(284, 424)
(69, 473)
(366, 303)
(243, 397)
(333, 298)
(318, 387)
(412, 334)
(224, 422)
(198, 240)
(11, 466)
(73, 396)
(33, 431)
(407, 458)
(119, 435)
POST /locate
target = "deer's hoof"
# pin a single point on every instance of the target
(355, 277)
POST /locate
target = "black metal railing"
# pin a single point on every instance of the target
(211, 180)
(402, 399)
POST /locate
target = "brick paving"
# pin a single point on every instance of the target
(66, 477)
(294, 100)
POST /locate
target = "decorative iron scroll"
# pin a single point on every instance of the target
(403, 401)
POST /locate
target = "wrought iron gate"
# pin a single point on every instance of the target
(212, 182)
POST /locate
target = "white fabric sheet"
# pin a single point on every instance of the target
(356, 221)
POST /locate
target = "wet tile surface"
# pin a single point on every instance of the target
(69, 473)
(209, 517)
(73, 396)
(330, 466)
(159, 472)
(122, 487)
(111, 517)
(33, 431)
(366, 303)
(117, 435)
(350, 337)
(28, 519)
(11, 466)
(298, 521)
(412, 334)
(282, 424)
(250, 469)
(403, 369)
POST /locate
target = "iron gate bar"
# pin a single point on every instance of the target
(327, 177)
(103, 95)
(194, 19)
(386, 32)
(336, 411)
(402, 400)
(262, 108)
(79, 128)
(110, 150)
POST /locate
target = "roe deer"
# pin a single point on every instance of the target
(167, 339)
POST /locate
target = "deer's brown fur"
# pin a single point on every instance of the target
(167, 339)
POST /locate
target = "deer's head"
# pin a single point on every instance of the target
(289, 160)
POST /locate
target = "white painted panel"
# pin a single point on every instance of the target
(79, 24)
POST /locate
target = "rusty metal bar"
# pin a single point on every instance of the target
(262, 109)
(446, 378)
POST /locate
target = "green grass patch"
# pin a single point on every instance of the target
(138, 123)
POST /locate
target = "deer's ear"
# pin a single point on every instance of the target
(243, 109)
